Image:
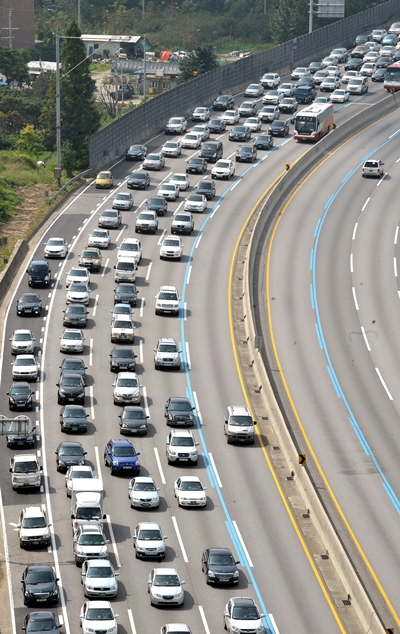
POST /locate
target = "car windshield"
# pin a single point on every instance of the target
(191, 486)
(133, 414)
(248, 613)
(21, 390)
(165, 295)
(126, 266)
(42, 625)
(170, 242)
(153, 157)
(103, 572)
(171, 144)
(144, 486)
(95, 539)
(124, 452)
(99, 614)
(34, 522)
(209, 146)
(22, 336)
(29, 298)
(144, 216)
(240, 420)
(71, 364)
(103, 175)
(221, 560)
(126, 288)
(278, 124)
(88, 513)
(222, 164)
(127, 383)
(246, 150)
(139, 176)
(89, 254)
(75, 309)
(24, 362)
(80, 475)
(81, 272)
(30, 466)
(43, 576)
(78, 288)
(198, 198)
(136, 148)
(72, 335)
(123, 323)
(122, 197)
(191, 137)
(180, 406)
(167, 347)
(55, 242)
(166, 580)
(109, 214)
(37, 268)
(129, 246)
(183, 217)
(71, 381)
(70, 451)
(182, 441)
(175, 121)
(123, 353)
(150, 534)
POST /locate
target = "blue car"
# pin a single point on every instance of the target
(120, 456)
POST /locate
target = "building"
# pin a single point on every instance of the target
(128, 46)
(17, 24)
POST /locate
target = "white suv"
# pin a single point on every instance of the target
(33, 527)
(239, 425)
(167, 301)
(181, 446)
(171, 248)
(130, 249)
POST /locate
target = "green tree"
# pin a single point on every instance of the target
(80, 117)
(289, 20)
(30, 141)
(197, 62)
(13, 64)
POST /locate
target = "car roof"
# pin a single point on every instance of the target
(165, 571)
(168, 288)
(98, 563)
(181, 432)
(189, 478)
(150, 525)
(220, 550)
(33, 511)
(238, 410)
(243, 601)
(121, 442)
(143, 479)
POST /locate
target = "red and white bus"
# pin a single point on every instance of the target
(392, 77)
(313, 122)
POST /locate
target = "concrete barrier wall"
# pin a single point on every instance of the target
(148, 119)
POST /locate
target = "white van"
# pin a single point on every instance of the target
(25, 472)
(357, 85)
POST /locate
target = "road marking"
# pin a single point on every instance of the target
(242, 543)
(91, 352)
(355, 297)
(158, 461)
(196, 402)
(237, 183)
(131, 621)
(98, 465)
(168, 176)
(365, 338)
(189, 274)
(96, 301)
(105, 267)
(49, 294)
(365, 204)
(175, 523)
(203, 618)
(384, 384)
(216, 474)
(185, 311)
(142, 203)
(214, 210)
(60, 619)
(353, 237)
(114, 545)
(271, 618)
(187, 354)
(198, 240)
(395, 266)
(179, 206)
(8, 567)
(141, 351)
(148, 271)
(351, 263)
(141, 307)
(91, 401)
(145, 401)
(120, 234)
(396, 235)
(37, 394)
(161, 238)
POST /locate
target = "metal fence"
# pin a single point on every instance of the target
(149, 118)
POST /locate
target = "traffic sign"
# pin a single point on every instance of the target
(302, 458)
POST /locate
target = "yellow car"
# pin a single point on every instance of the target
(104, 180)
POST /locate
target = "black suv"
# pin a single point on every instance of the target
(178, 410)
(207, 188)
(157, 204)
(122, 358)
(196, 165)
(224, 102)
(246, 154)
(39, 273)
(212, 151)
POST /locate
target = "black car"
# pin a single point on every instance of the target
(138, 180)
(178, 410)
(239, 133)
(224, 102)
(383, 62)
(361, 39)
(305, 81)
(157, 204)
(219, 566)
(69, 454)
(122, 358)
(211, 151)
(279, 128)
(196, 165)
(39, 273)
(246, 154)
(29, 304)
(40, 623)
(75, 315)
(39, 584)
(74, 366)
(133, 420)
(136, 153)
(207, 188)
(354, 63)
(20, 396)
(126, 293)
(71, 389)
(216, 126)
(264, 142)
(379, 75)
(73, 418)
(314, 66)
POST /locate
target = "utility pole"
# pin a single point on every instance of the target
(57, 171)
(10, 29)
(144, 66)
(79, 13)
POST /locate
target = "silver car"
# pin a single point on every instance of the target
(110, 218)
(25, 368)
(167, 354)
(165, 587)
(146, 222)
(22, 342)
(99, 578)
(172, 148)
(56, 248)
(78, 293)
(182, 222)
(123, 201)
(126, 389)
(149, 541)
(154, 161)
(89, 543)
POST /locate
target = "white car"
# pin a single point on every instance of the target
(253, 123)
(368, 69)
(165, 587)
(89, 543)
(189, 491)
(378, 34)
(372, 56)
(301, 71)
(196, 202)
(181, 445)
(121, 309)
(98, 616)
(167, 301)
(99, 238)
(202, 130)
(333, 71)
(191, 140)
(254, 91)
(123, 201)
(181, 180)
(224, 168)
(130, 249)
(149, 541)
(171, 248)
(127, 389)
(386, 51)
(72, 340)
(230, 116)
(327, 61)
(175, 628)
(273, 97)
(143, 493)
(122, 329)
(201, 114)
(330, 84)
(73, 473)
(172, 148)
(25, 368)
(22, 342)
(99, 578)
(242, 615)
(341, 54)
(373, 167)
(170, 191)
(176, 125)
(55, 248)
(33, 527)
(78, 293)
(78, 274)
(270, 80)
(286, 90)
(339, 96)
(349, 75)
(182, 221)
(269, 113)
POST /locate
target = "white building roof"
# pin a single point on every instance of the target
(120, 39)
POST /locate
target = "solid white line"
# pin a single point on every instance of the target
(395, 266)
(37, 394)
(91, 352)
(96, 301)
(355, 297)
(161, 238)
(242, 543)
(98, 464)
(365, 204)
(384, 384)
(187, 354)
(215, 470)
(105, 266)
(179, 206)
(114, 545)
(141, 352)
(237, 182)
(189, 274)
(203, 618)
(141, 307)
(60, 619)
(158, 461)
(8, 568)
(365, 338)
(354, 231)
(91, 400)
(396, 235)
(120, 234)
(145, 401)
(351, 263)
(185, 311)
(274, 625)
(131, 621)
(198, 240)
(148, 271)
(217, 207)
(196, 402)
(168, 176)
(175, 523)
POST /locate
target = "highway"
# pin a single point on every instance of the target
(244, 511)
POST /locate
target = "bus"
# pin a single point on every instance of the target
(313, 122)
(392, 77)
